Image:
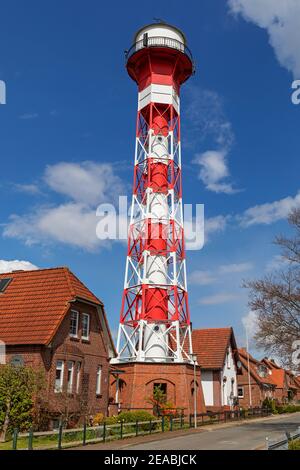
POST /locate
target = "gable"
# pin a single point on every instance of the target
(35, 302)
(211, 345)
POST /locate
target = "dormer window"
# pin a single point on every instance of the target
(4, 283)
(262, 370)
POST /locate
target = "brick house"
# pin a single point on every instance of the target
(216, 351)
(132, 386)
(260, 377)
(50, 320)
(287, 386)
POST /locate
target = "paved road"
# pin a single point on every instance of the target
(244, 437)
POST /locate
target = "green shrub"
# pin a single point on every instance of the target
(281, 409)
(294, 445)
(270, 405)
(130, 417)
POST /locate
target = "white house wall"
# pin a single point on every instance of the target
(208, 387)
(229, 387)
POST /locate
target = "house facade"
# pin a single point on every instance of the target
(287, 386)
(51, 321)
(255, 383)
(217, 356)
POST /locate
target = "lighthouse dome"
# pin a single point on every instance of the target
(160, 30)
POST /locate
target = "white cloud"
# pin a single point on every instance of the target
(27, 188)
(204, 111)
(269, 212)
(215, 224)
(276, 263)
(219, 298)
(281, 19)
(250, 323)
(235, 268)
(15, 265)
(85, 182)
(201, 278)
(74, 223)
(28, 116)
(214, 170)
(197, 230)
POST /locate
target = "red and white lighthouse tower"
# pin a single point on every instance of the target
(155, 321)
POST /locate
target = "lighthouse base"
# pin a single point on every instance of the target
(132, 386)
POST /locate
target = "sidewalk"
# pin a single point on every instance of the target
(123, 444)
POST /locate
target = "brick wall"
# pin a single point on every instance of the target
(258, 392)
(91, 354)
(137, 383)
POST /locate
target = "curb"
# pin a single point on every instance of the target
(178, 433)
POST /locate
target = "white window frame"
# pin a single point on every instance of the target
(60, 388)
(74, 335)
(78, 376)
(99, 381)
(240, 387)
(70, 382)
(86, 315)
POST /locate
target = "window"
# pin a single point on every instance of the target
(59, 376)
(262, 370)
(161, 387)
(98, 380)
(74, 324)
(70, 376)
(78, 373)
(4, 283)
(228, 359)
(241, 392)
(85, 326)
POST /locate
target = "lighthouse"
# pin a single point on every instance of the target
(154, 337)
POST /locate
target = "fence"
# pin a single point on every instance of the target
(228, 416)
(282, 444)
(63, 438)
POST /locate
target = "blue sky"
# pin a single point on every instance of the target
(67, 139)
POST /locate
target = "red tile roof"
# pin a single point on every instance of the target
(35, 302)
(270, 363)
(211, 344)
(278, 377)
(253, 363)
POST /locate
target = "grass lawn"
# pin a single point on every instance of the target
(71, 438)
(294, 445)
(39, 442)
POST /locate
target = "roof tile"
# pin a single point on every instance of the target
(210, 345)
(34, 303)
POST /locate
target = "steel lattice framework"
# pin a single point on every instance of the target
(155, 320)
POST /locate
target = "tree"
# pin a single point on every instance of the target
(158, 400)
(20, 389)
(276, 300)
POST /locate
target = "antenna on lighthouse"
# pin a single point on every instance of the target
(159, 20)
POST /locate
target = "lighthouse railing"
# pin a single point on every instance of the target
(158, 41)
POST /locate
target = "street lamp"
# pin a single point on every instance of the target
(194, 359)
